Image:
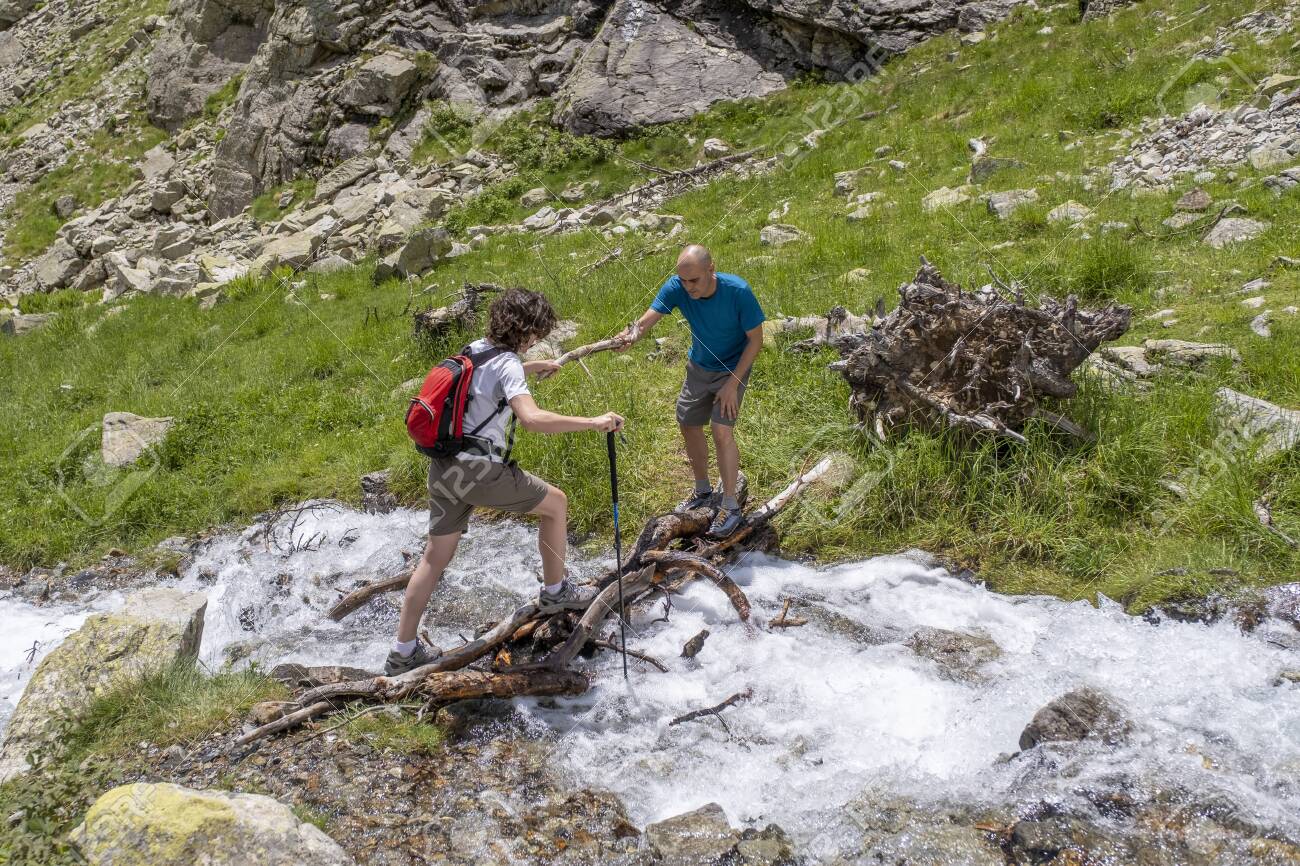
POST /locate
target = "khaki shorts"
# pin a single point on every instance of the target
(697, 404)
(456, 486)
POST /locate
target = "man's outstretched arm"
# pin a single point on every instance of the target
(642, 326)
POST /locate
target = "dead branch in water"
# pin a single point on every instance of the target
(785, 620)
(715, 711)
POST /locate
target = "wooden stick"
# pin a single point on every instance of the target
(610, 645)
(713, 711)
(592, 348)
(693, 562)
(359, 596)
(785, 621)
(600, 608)
(284, 723)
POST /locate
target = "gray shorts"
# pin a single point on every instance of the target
(697, 404)
(457, 486)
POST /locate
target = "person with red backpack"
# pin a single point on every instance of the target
(464, 420)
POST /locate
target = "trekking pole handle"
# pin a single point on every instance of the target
(613, 471)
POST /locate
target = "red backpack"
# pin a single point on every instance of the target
(436, 417)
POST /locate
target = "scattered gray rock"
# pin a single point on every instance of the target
(65, 206)
(376, 498)
(380, 85)
(1003, 204)
(126, 436)
(1234, 230)
(715, 148)
(779, 235)
(535, 196)
(1076, 716)
(422, 250)
(58, 266)
(959, 655)
(696, 838)
(1278, 429)
(1195, 199)
(23, 323)
(984, 167)
(945, 197)
(1069, 212)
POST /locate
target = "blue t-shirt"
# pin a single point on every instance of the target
(718, 322)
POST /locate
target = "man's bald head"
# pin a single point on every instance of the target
(695, 270)
(696, 254)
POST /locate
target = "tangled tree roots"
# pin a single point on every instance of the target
(975, 361)
(529, 653)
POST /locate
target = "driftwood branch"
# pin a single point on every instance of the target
(693, 562)
(785, 620)
(714, 710)
(358, 597)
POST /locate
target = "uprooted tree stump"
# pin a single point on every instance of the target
(462, 314)
(529, 653)
(976, 361)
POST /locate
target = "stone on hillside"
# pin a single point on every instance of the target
(1261, 324)
(354, 209)
(958, 655)
(1069, 212)
(945, 197)
(1182, 353)
(23, 323)
(1277, 82)
(1270, 156)
(154, 628)
(543, 219)
(343, 176)
(164, 824)
(1195, 199)
(860, 214)
(1278, 428)
(779, 235)
(535, 196)
(1181, 220)
(164, 197)
(65, 206)
(127, 436)
(57, 267)
(1076, 716)
(295, 251)
(329, 264)
(846, 182)
(985, 167)
(380, 85)
(426, 204)
(578, 191)
(422, 250)
(156, 163)
(696, 838)
(604, 216)
(1003, 204)
(1233, 230)
(715, 148)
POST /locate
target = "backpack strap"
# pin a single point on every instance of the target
(478, 358)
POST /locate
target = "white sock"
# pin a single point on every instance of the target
(553, 588)
(406, 647)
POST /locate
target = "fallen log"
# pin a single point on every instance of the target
(462, 314)
(358, 597)
(696, 563)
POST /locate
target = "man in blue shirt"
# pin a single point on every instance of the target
(726, 336)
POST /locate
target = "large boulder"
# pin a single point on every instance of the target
(12, 11)
(379, 86)
(58, 266)
(647, 66)
(208, 43)
(421, 251)
(154, 628)
(1078, 715)
(168, 825)
(126, 436)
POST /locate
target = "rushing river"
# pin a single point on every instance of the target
(837, 705)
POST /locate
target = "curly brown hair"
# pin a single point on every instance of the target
(517, 316)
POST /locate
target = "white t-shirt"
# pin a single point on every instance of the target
(500, 378)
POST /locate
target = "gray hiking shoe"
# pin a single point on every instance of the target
(570, 597)
(726, 522)
(420, 656)
(695, 500)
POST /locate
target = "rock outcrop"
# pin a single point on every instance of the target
(169, 825)
(153, 629)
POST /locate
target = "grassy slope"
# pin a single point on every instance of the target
(282, 397)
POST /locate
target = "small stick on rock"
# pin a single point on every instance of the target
(694, 645)
(610, 645)
(786, 621)
(714, 711)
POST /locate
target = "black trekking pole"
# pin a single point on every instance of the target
(618, 546)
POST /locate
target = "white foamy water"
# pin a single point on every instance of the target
(831, 714)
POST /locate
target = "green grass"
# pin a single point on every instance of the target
(279, 398)
(176, 705)
(266, 207)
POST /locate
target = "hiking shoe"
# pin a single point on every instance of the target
(726, 522)
(570, 597)
(420, 656)
(695, 500)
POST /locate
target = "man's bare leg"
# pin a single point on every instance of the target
(437, 553)
(697, 451)
(552, 535)
(724, 442)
